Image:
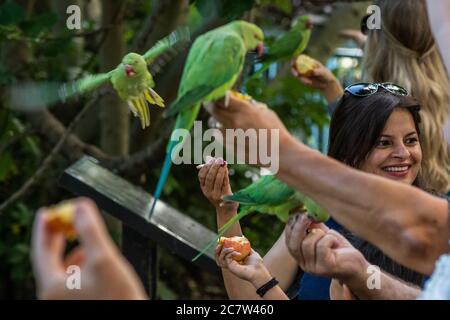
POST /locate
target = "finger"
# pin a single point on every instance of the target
(298, 225)
(211, 176)
(217, 252)
(308, 248)
(306, 80)
(91, 229)
(76, 257)
(234, 104)
(295, 232)
(47, 249)
(339, 237)
(220, 180)
(317, 225)
(203, 173)
(223, 254)
(324, 245)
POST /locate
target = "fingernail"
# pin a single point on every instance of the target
(291, 220)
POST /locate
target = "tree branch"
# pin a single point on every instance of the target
(47, 161)
(14, 139)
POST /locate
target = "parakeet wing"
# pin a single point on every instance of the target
(179, 35)
(213, 64)
(38, 95)
(285, 46)
(267, 190)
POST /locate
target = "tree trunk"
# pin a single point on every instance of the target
(326, 37)
(114, 115)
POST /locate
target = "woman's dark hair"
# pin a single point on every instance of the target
(355, 129)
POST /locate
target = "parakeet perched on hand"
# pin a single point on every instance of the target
(213, 65)
(268, 195)
(289, 44)
(131, 79)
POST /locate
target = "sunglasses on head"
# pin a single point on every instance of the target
(365, 89)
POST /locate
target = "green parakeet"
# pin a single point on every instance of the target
(268, 195)
(289, 44)
(131, 79)
(213, 65)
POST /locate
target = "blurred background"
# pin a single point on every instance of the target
(36, 147)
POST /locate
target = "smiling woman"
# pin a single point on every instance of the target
(380, 134)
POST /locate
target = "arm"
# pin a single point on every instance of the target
(391, 288)
(252, 271)
(321, 79)
(237, 288)
(409, 225)
(324, 252)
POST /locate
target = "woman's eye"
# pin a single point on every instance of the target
(383, 143)
(411, 141)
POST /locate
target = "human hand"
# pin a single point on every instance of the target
(251, 268)
(356, 35)
(340, 291)
(322, 251)
(215, 183)
(322, 79)
(104, 273)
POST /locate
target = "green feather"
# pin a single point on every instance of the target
(268, 195)
(212, 67)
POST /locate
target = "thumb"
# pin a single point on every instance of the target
(91, 228)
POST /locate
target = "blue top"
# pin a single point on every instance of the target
(315, 287)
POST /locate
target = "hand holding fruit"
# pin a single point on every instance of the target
(312, 73)
(103, 271)
(236, 255)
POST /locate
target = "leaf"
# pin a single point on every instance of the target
(8, 167)
(39, 24)
(11, 13)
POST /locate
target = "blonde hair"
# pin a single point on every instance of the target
(403, 51)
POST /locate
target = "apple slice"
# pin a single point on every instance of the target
(61, 218)
(305, 65)
(239, 244)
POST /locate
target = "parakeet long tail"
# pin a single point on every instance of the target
(164, 174)
(242, 213)
(185, 120)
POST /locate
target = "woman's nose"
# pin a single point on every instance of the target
(401, 151)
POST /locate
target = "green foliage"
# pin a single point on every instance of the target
(15, 234)
(43, 53)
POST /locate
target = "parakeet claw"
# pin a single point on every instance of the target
(154, 98)
(226, 103)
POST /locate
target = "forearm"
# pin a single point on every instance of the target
(275, 293)
(333, 92)
(223, 216)
(236, 288)
(281, 264)
(390, 288)
(409, 225)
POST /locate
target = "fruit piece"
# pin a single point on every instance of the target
(241, 96)
(305, 65)
(61, 218)
(239, 244)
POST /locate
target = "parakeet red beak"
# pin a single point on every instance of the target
(129, 70)
(309, 24)
(260, 49)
